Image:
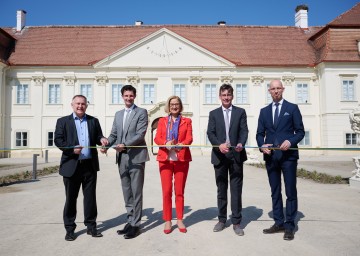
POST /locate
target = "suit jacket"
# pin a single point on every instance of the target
(290, 127)
(133, 134)
(184, 137)
(66, 138)
(238, 133)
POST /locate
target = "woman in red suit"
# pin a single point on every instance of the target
(173, 131)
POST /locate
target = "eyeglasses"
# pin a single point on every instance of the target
(174, 104)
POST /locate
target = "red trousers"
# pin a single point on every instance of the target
(178, 170)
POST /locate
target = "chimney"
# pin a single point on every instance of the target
(20, 20)
(301, 16)
(138, 23)
(221, 23)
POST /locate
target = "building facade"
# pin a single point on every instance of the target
(319, 66)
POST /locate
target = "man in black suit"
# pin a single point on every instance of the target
(280, 127)
(76, 136)
(228, 131)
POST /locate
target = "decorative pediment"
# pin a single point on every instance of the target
(38, 80)
(101, 80)
(226, 79)
(69, 80)
(288, 80)
(257, 80)
(156, 108)
(195, 80)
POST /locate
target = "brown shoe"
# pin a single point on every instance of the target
(274, 229)
(219, 226)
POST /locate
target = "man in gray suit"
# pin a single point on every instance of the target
(128, 130)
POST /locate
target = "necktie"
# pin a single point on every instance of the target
(276, 116)
(126, 119)
(227, 125)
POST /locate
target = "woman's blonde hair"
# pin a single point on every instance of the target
(167, 107)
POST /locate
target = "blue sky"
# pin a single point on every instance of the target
(157, 12)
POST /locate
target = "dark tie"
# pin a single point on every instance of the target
(227, 125)
(276, 116)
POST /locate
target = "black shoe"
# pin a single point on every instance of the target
(70, 236)
(289, 235)
(274, 229)
(132, 233)
(124, 230)
(94, 232)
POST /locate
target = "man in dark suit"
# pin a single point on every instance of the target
(280, 129)
(128, 135)
(228, 131)
(75, 136)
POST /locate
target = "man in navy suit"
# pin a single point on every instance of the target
(76, 136)
(228, 131)
(280, 129)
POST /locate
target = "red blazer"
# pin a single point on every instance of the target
(184, 137)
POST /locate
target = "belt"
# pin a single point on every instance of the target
(83, 161)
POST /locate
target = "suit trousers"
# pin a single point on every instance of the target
(275, 166)
(179, 170)
(86, 177)
(235, 170)
(132, 183)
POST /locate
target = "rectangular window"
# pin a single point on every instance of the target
(86, 90)
(268, 95)
(179, 90)
(210, 94)
(302, 93)
(348, 90)
(50, 139)
(306, 140)
(116, 97)
(350, 139)
(22, 94)
(54, 93)
(149, 93)
(241, 91)
(21, 139)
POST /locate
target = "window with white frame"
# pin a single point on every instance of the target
(54, 93)
(149, 93)
(241, 91)
(306, 140)
(116, 97)
(179, 90)
(348, 90)
(21, 139)
(350, 139)
(22, 94)
(268, 95)
(87, 91)
(302, 93)
(50, 139)
(210, 94)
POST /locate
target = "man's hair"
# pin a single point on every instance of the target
(128, 87)
(226, 87)
(80, 96)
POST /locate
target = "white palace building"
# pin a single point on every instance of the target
(43, 67)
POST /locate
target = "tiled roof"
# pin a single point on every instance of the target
(242, 45)
(351, 17)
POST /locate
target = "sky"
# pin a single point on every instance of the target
(159, 12)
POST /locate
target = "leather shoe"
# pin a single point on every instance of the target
(94, 233)
(70, 236)
(124, 230)
(238, 230)
(289, 235)
(132, 233)
(219, 226)
(274, 229)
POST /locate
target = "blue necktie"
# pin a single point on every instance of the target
(276, 117)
